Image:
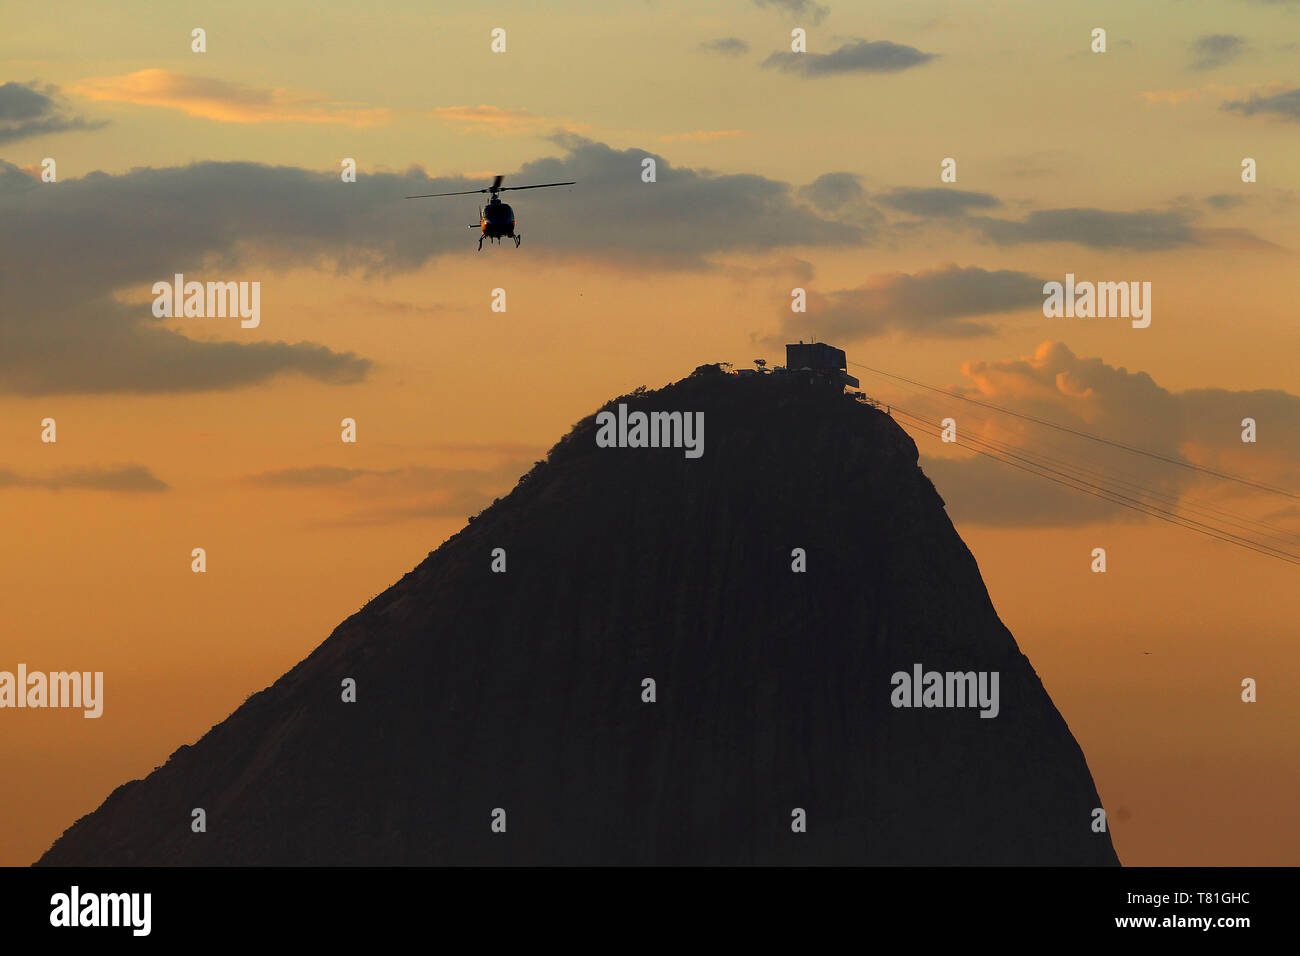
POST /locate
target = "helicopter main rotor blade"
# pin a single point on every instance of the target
(468, 192)
(496, 183)
(538, 186)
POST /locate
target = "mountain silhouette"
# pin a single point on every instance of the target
(525, 691)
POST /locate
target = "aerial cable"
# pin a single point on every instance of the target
(1116, 498)
(1088, 435)
(1183, 502)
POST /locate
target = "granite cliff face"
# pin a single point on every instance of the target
(523, 690)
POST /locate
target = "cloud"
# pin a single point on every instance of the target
(930, 304)
(224, 101)
(1216, 49)
(509, 449)
(803, 10)
(858, 56)
(1035, 164)
(1224, 200)
(1285, 104)
(1142, 229)
(1145, 229)
(1174, 97)
(982, 491)
(1289, 514)
(19, 102)
(17, 179)
(311, 476)
(1200, 425)
(358, 302)
(407, 493)
(778, 269)
(491, 119)
(937, 201)
(840, 196)
(727, 46)
(703, 135)
(831, 192)
(681, 220)
(1209, 91)
(128, 478)
(27, 111)
(64, 330)
(84, 324)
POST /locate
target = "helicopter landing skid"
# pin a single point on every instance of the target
(517, 238)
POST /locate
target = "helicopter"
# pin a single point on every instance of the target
(496, 219)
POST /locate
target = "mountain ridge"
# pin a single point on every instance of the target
(522, 691)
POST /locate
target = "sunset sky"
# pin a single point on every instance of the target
(774, 171)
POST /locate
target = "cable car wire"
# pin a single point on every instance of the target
(1088, 435)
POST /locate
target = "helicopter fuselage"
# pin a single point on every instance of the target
(497, 220)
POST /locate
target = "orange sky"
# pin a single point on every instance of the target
(616, 287)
